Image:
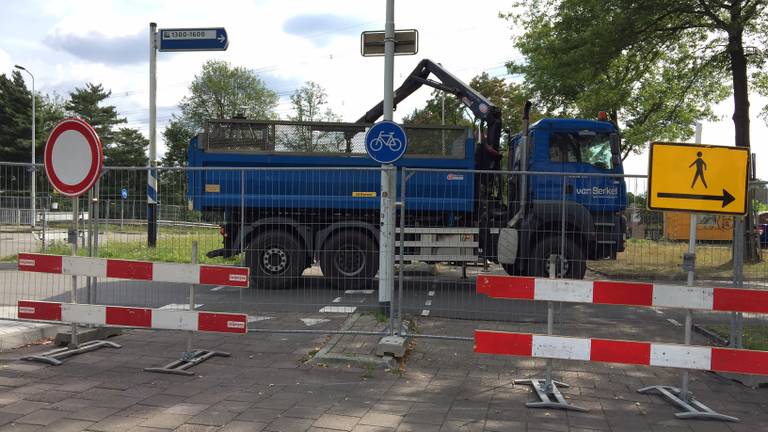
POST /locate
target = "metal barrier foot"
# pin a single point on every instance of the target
(54, 357)
(549, 397)
(693, 409)
(188, 360)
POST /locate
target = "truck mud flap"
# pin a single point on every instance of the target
(508, 240)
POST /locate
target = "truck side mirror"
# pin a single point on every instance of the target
(615, 150)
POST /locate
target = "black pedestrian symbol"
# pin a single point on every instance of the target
(701, 166)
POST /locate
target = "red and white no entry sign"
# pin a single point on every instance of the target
(73, 157)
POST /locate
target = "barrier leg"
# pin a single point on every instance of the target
(54, 357)
(546, 389)
(190, 357)
(692, 409)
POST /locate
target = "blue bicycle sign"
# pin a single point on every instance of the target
(386, 142)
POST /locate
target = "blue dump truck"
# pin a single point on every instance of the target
(293, 194)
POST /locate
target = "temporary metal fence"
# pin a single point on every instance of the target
(307, 250)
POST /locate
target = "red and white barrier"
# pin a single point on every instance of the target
(119, 316)
(136, 270)
(623, 293)
(625, 352)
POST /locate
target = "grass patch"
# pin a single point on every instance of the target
(662, 259)
(754, 338)
(172, 246)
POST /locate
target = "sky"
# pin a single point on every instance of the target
(68, 43)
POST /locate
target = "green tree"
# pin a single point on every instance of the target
(441, 108)
(87, 103)
(661, 62)
(222, 91)
(129, 148)
(578, 62)
(49, 110)
(176, 136)
(310, 104)
(15, 118)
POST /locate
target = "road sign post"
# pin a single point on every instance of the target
(174, 39)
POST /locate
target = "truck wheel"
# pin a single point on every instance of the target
(575, 259)
(350, 260)
(275, 260)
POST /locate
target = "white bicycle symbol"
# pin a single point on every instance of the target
(386, 139)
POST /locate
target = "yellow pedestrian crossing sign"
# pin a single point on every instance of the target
(698, 178)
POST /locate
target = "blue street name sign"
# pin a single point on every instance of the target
(386, 142)
(193, 39)
(124, 193)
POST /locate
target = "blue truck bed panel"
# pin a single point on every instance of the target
(341, 182)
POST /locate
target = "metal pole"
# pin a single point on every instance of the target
(684, 393)
(34, 185)
(95, 218)
(152, 171)
(32, 172)
(73, 343)
(550, 323)
(403, 181)
(241, 231)
(188, 354)
(387, 215)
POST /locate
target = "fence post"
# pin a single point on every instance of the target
(738, 279)
(401, 264)
(73, 343)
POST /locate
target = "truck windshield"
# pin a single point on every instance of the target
(581, 147)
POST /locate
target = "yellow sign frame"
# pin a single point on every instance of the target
(665, 192)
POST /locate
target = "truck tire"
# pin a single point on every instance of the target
(350, 260)
(575, 258)
(275, 259)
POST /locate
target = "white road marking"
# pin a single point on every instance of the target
(336, 300)
(358, 292)
(428, 303)
(218, 288)
(309, 322)
(177, 306)
(256, 318)
(659, 311)
(338, 309)
(425, 312)
(431, 294)
(674, 321)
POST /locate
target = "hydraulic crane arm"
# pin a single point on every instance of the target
(481, 107)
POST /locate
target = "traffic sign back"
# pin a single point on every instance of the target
(698, 178)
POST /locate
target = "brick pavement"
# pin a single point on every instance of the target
(265, 387)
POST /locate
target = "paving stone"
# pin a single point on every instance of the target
(313, 413)
(263, 415)
(67, 425)
(285, 424)
(166, 421)
(162, 400)
(6, 418)
(24, 407)
(142, 411)
(195, 428)
(339, 422)
(243, 426)
(42, 417)
(93, 414)
(115, 423)
(418, 427)
(370, 428)
(463, 426)
(213, 417)
(381, 419)
(20, 427)
(51, 396)
(187, 409)
(72, 404)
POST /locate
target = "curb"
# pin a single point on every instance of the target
(325, 355)
(27, 336)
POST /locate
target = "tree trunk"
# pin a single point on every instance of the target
(741, 119)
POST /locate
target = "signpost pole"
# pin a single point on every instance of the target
(387, 215)
(73, 343)
(152, 172)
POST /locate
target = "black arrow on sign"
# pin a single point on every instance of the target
(726, 198)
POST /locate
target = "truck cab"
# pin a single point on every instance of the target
(574, 185)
